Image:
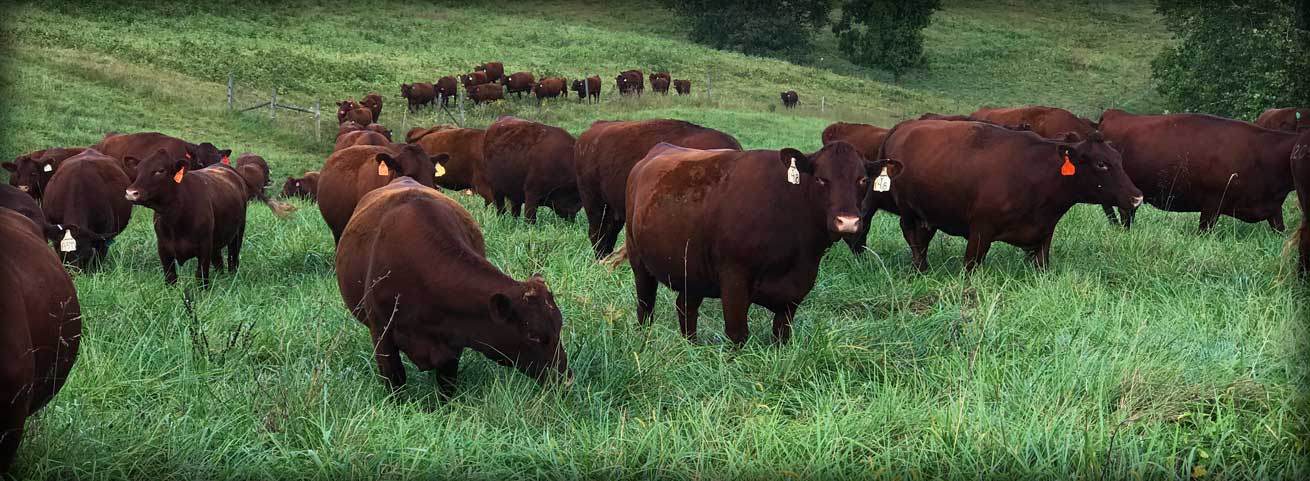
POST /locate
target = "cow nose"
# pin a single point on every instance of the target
(133, 194)
(1137, 201)
(848, 224)
(23, 188)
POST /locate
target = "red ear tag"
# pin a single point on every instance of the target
(1067, 169)
(177, 178)
(225, 161)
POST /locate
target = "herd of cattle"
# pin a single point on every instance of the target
(704, 217)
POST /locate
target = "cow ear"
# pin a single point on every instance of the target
(894, 167)
(131, 162)
(502, 308)
(226, 153)
(392, 164)
(802, 162)
(9, 166)
(441, 159)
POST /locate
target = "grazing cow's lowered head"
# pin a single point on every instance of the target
(158, 179)
(1098, 167)
(29, 175)
(835, 181)
(206, 154)
(532, 340)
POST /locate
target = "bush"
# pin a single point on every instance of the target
(779, 28)
(885, 33)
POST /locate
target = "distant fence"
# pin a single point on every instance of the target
(273, 105)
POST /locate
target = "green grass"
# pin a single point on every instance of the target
(1145, 354)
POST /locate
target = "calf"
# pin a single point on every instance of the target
(590, 90)
(350, 173)
(87, 191)
(1202, 163)
(40, 330)
(606, 152)
(1300, 165)
(465, 163)
(413, 268)
(484, 93)
(197, 213)
(660, 75)
(305, 187)
(518, 83)
(682, 86)
(361, 115)
(1014, 188)
(360, 137)
(145, 144)
(493, 70)
(418, 94)
(747, 227)
(550, 88)
(373, 102)
(790, 99)
(31, 172)
(630, 82)
(446, 87)
(531, 163)
(1287, 120)
(660, 85)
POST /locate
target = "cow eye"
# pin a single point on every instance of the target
(1101, 166)
(864, 181)
(159, 172)
(820, 181)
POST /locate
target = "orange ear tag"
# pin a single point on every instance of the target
(1067, 169)
(226, 162)
(177, 178)
(383, 170)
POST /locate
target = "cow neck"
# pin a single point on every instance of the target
(1069, 190)
(176, 204)
(479, 280)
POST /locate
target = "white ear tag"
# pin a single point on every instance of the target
(793, 175)
(883, 183)
(48, 168)
(67, 244)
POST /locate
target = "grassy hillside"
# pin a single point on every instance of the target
(1153, 353)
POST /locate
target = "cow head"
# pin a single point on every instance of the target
(406, 90)
(84, 245)
(291, 187)
(347, 105)
(834, 180)
(1098, 170)
(206, 154)
(566, 203)
(158, 179)
(527, 326)
(411, 161)
(30, 175)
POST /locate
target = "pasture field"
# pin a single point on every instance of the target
(1152, 354)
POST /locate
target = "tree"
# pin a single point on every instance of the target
(885, 33)
(782, 28)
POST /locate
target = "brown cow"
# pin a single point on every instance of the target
(1014, 188)
(519, 83)
(866, 139)
(1287, 120)
(87, 191)
(531, 163)
(606, 152)
(747, 227)
(1048, 122)
(40, 329)
(349, 126)
(465, 163)
(379, 128)
(254, 171)
(484, 93)
(373, 102)
(660, 85)
(660, 75)
(470, 80)
(19, 201)
(197, 213)
(630, 82)
(682, 86)
(419, 132)
(361, 137)
(305, 187)
(590, 90)
(446, 88)
(790, 99)
(550, 88)
(146, 144)
(1202, 163)
(412, 267)
(344, 107)
(361, 115)
(936, 116)
(418, 94)
(31, 172)
(349, 174)
(493, 70)
(1300, 165)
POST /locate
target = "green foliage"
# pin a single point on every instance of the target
(1234, 59)
(885, 33)
(783, 28)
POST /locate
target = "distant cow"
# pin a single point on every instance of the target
(379, 128)
(606, 152)
(1287, 120)
(472, 79)
(145, 144)
(630, 82)
(373, 102)
(344, 107)
(40, 329)
(747, 227)
(350, 173)
(1048, 122)
(1300, 162)
(660, 75)
(493, 70)
(1014, 187)
(305, 187)
(484, 93)
(588, 91)
(660, 85)
(682, 86)
(790, 99)
(519, 83)
(347, 127)
(550, 88)
(1202, 163)
(197, 213)
(446, 87)
(31, 172)
(531, 163)
(360, 137)
(87, 191)
(465, 163)
(412, 266)
(418, 94)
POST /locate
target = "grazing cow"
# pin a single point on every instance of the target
(361, 137)
(790, 99)
(413, 268)
(682, 86)
(197, 213)
(660, 85)
(473, 79)
(518, 83)
(747, 227)
(1300, 165)
(419, 132)
(493, 70)
(484, 93)
(630, 82)
(31, 172)
(446, 88)
(1048, 122)
(1287, 120)
(40, 329)
(606, 152)
(379, 128)
(531, 163)
(87, 191)
(465, 163)
(1202, 163)
(589, 90)
(373, 102)
(305, 187)
(418, 94)
(550, 88)
(353, 172)
(344, 107)
(254, 171)
(1014, 188)
(145, 144)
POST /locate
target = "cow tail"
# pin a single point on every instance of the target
(280, 209)
(613, 260)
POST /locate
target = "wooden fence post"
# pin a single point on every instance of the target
(459, 102)
(709, 88)
(231, 92)
(272, 105)
(586, 89)
(318, 122)
(823, 104)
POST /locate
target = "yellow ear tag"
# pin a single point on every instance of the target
(884, 182)
(793, 175)
(441, 170)
(67, 244)
(177, 178)
(383, 170)
(1067, 169)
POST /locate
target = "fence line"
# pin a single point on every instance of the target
(273, 105)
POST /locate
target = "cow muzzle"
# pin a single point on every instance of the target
(1137, 201)
(133, 195)
(847, 224)
(24, 188)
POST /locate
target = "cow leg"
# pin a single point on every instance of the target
(217, 259)
(499, 200)
(386, 354)
(16, 384)
(515, 208)
(918, 236)
(447, 372)
(12, 419)
(234, 250)
(646, 286)
(782, 322)
(1304, 248)
(531, 201)
(1109, 214)
(688, 314)
(169, 263)
(976, 251)
(1276, 222)
(1041, 256)
(734, 290)
(1209, 216)
(610, 230)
